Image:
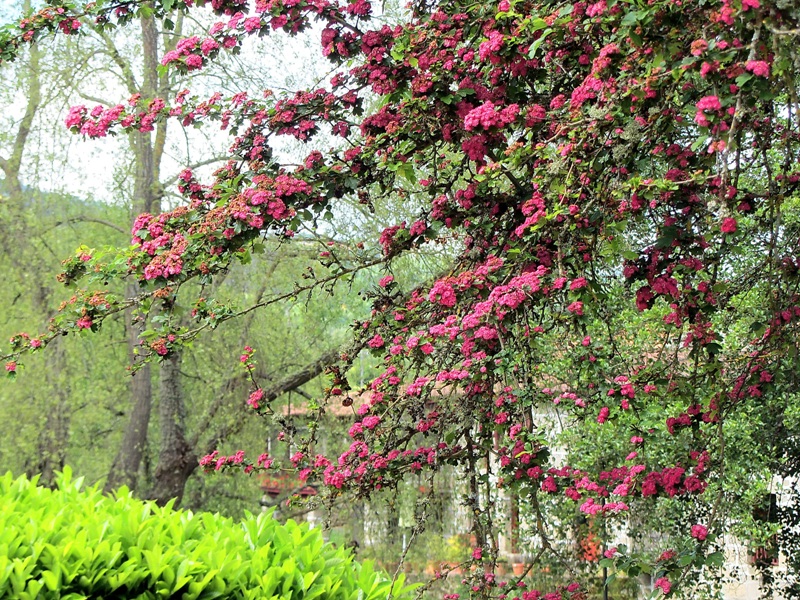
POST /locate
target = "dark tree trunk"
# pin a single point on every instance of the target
(54, 435)
(176, 460)
(147, 150)
(125, 467)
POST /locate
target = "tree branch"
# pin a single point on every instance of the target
(12, 165)
(199, 163)
(90, 98)
(85, 219)
(127, 72)
(293, 381)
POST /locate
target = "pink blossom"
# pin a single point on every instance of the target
(596, 9)
(443, 294)
(576, 308)
(251, 24)
(490, 46)
(708, 67)
(417, 228)
(663, 584)
(376, 341)
(709, 103)
(590, 507)
(558, 101)
(621, 490)
(549, 485)
(208, 459)
(416, 387)
(371, 422)
(170, 56)
(208, 46)
(667, 555)
(486, 333)
(758, 68)
(728, 225)
(698, 47)
(577, 283)
(535, 114)
(75, 116)
(255, 398)
(699, 532)
(193, 61)
(488, 115)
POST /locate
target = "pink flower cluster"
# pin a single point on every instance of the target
(98, 125)
(707, 104)
(216, 462)
(191, 52)
(759, 68)
(699, 532)
(488, 115)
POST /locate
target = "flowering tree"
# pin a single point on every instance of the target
(620, 180)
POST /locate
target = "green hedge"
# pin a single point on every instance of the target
(75, 543)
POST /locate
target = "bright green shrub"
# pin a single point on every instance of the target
(73, 543)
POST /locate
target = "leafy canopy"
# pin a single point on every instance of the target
(620, 180)
(77, 543)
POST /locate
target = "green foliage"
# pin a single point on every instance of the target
(77, 543)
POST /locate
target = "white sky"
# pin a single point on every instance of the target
(95, 168)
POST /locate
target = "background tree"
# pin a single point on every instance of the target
(60, 436)
(580, 158)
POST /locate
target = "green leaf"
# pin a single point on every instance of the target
(566, 10)
(52, 579)
(699, 143)
(406, 171)
(538, 24)
(535, 45)
(716, 559)
(631, 18)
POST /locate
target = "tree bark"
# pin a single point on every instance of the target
(12, 164)
(125, 466)
(146, 198)
(54, 435)
(176, 460)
